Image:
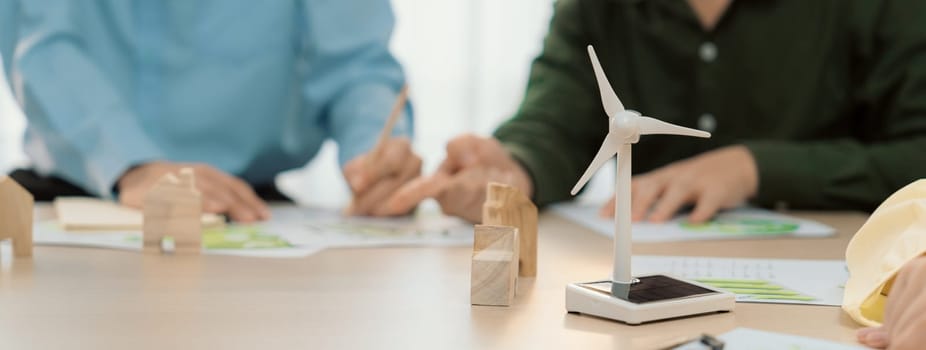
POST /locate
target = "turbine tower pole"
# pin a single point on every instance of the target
(623, 237)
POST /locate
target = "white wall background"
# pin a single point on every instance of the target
(467, 62)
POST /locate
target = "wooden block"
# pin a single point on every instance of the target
(173, 207)
(494, 274)
(16, 216)
(94, 214)
(506, 206)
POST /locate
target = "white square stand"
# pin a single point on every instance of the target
(653, 298)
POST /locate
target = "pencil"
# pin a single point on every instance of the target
(384, 136)
(390, 124)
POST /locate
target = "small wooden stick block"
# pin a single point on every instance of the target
(16, 216)
(506, 206)
(173, 208)
(494, 274)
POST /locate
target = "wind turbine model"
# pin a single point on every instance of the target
(624, 298)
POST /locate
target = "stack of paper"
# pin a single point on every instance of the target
(91, 214)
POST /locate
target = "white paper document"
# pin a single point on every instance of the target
(291, 233)
(780, 281)
(220, 241)
(741, 223)
(753, 339)
(328, 228)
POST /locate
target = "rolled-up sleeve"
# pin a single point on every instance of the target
(87, 130)
(351, 73)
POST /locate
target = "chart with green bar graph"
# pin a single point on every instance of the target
(778, 281)
(241, 237)
(755, 289)
(744, 226)
(232, 237)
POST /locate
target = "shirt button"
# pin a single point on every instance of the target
(707, 122)
(708, 52)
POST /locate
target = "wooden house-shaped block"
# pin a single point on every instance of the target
(16, 216)
(173, 207)
(506, 206)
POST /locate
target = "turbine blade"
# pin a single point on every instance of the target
(650, 126)
(609, 148)
(612, 104)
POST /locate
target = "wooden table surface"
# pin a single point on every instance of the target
(389, 298)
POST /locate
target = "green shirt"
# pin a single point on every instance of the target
(828, 95)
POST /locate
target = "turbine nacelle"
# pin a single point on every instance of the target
(625, 126)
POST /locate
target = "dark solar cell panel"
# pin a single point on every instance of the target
(655, 288)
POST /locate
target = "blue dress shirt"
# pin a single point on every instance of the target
(252, 88)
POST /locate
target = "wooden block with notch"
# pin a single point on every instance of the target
(494, 274)
(173, 207)
(16, 216)
(506, 206)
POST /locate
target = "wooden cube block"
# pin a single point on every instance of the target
(494, 274)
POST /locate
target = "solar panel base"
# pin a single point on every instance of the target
(654, 297)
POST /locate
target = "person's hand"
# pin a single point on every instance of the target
(373, 178)
(905, 313)
(459, 185)
(720, 179)
(221, 193)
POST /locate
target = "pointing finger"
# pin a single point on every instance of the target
(417, 190)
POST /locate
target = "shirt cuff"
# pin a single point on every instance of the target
(543, 187)
(112, 156)
(786, 175)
